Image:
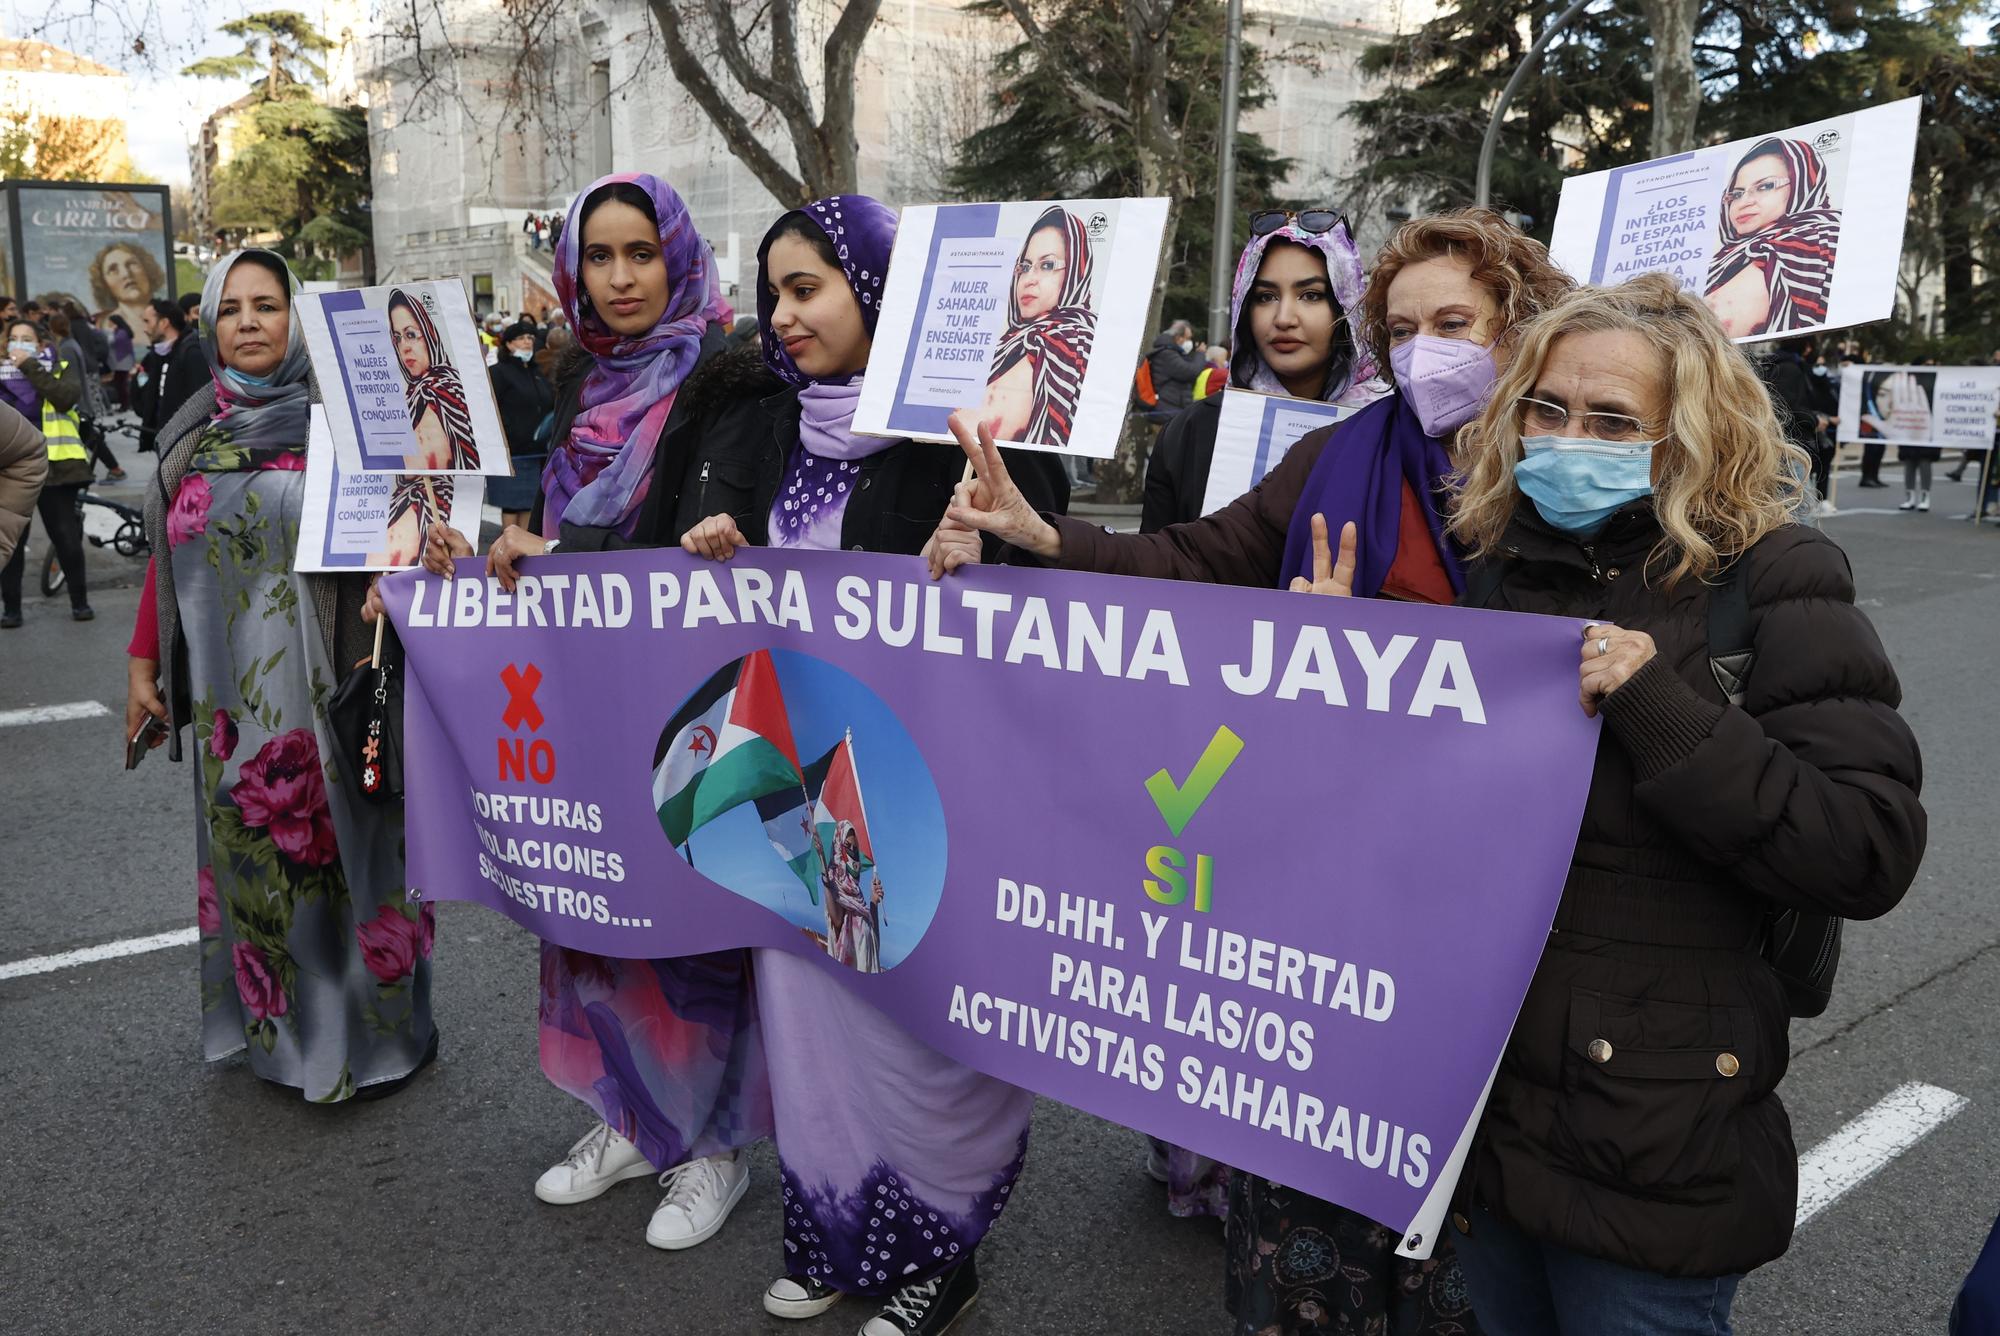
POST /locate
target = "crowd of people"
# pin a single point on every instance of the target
(1601, 454)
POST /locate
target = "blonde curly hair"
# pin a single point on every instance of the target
(1724, 476)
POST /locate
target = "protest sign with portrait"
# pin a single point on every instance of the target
(1763, 227)
(357, 521)
(1030, 313)
(1951, 407)
(404, 376)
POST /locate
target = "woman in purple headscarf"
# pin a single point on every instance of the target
(666, 1053)
(1292, 318)
(948, 1161)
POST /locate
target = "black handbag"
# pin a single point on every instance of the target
(366, 712)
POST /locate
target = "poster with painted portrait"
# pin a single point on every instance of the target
(1030, 313)
(103, 247)
(1768, 230)
(404, 378)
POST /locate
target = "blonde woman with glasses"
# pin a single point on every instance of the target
(1635, 1161)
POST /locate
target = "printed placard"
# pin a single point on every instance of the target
(1763, 228)
(1032, 313)
(404, 376)
(355, 521)
(1253, 433)
(1952, 407)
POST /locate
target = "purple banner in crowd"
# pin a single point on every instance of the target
(1262, 874)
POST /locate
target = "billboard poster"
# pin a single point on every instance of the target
(105, 247)
(1782, 233)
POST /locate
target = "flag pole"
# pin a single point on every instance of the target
(874, 910)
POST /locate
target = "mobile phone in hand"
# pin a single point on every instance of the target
(142, 741)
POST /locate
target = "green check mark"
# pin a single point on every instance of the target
(1179, 802)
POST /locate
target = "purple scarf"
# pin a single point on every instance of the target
(1359, 476)
(811, 504)
(600, 473)
(21, 391)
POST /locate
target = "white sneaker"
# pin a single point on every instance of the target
(799, 1297)
(700, 1196)
(593, 1164)
(1825, 509)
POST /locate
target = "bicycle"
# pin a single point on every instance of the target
(128, 540)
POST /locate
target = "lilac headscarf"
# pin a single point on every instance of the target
(1362, 383)
(600, 473)
(819, 478)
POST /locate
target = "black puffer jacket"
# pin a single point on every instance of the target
(1635, 1116)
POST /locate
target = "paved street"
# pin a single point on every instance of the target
(147, 1192)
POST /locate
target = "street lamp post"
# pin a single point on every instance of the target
(1225, 184)
(1484, 191)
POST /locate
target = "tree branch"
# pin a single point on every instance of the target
(842, 53)
(728, 121)
(789, 102)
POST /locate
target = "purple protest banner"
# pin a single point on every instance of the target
(1261, 874)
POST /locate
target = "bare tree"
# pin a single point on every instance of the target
(759, 49)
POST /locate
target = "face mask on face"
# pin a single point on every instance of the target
(1446, 381)
(1187, 345)
(524, 354)
(163, 347)
(1577, 483)
(21, 346)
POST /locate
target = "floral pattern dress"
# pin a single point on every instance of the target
(312, 959)
(1300, 1266)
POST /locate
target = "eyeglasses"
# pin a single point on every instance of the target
(1022, 268)
(1310, 221)
(1731, 196)
(1541, 418)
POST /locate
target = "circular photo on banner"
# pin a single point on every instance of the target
(785, 780)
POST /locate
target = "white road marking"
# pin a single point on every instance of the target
(49, 714)
(1854, 1154)
(130, 946)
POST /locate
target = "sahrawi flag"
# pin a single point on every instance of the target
(835, 796)
(730, 744)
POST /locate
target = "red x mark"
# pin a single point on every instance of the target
(521, 707)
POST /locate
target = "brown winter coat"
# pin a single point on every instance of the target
(1635, 1115)
(24, 463)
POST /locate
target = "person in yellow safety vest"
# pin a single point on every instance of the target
(1215, 375)
(46, 391)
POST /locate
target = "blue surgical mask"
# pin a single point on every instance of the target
(1578, 483)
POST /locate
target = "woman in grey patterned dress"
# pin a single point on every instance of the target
(312, 960)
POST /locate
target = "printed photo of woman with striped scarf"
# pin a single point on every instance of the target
(436, 395)
(1780, 231)
(1039, 363)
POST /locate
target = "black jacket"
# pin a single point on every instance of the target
(1791, 389)
(1635, 1116)
(1177, 470)
(170, 382)
(733, 428)
(524, 397)
(1174, 371)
